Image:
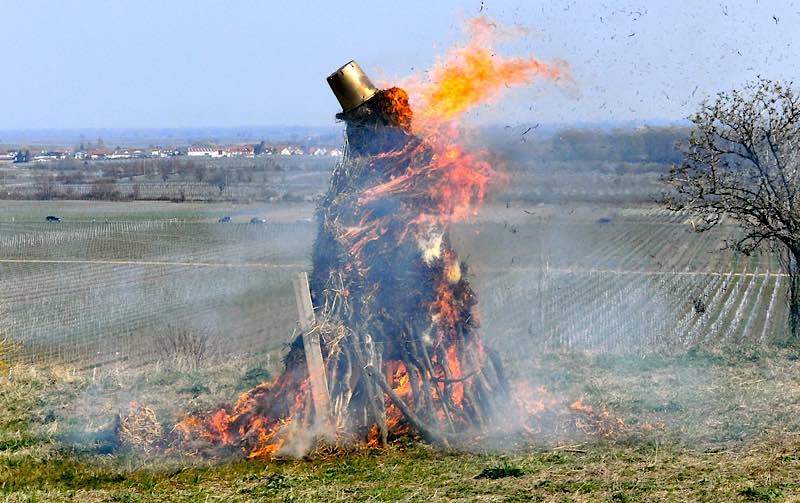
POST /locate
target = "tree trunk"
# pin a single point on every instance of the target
(793, 269)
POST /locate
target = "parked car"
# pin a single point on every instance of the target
(52, 218)
(257, 220)
(224, 220)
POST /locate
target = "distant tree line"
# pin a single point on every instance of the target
(640, 145)
(135, 179)
(610, 152)
(631, 145)
(23, 156)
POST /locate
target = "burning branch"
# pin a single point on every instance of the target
(427, 433)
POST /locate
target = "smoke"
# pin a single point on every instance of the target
(302, 439)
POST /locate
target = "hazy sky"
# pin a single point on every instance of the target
(185, 63)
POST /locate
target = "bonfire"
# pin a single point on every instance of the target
(391, 346)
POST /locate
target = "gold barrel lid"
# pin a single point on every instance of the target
(351, 86)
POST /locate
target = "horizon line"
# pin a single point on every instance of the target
(335, 125)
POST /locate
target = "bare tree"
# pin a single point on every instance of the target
(219, 179)
(45, 186)
(742, 160)
(165, 169)
(105, 190)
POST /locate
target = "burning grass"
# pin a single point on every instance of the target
(729, 423)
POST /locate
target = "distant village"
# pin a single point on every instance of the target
(202, 151)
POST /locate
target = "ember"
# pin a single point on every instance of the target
(395, 313)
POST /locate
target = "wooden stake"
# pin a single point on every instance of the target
(316, 367)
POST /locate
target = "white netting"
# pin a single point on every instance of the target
(90, 292)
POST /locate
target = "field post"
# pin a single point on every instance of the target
(316, 367)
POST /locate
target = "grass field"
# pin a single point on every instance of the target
(726, 430)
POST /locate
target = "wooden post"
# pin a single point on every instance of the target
(316, 367)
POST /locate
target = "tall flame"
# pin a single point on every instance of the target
(474, 74)
(455, 178)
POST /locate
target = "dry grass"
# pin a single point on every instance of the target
(6, 352)
(185, 349)
(729, 430)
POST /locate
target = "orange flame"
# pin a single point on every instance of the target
(533, 400)
(441, 169)
(220, 426)
(475, 74)
(454, 366)
(601, 423)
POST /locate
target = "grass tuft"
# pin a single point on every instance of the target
(500, 472)
(254, 376)
(761, 493)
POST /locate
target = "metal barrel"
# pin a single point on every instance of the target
(351, 86)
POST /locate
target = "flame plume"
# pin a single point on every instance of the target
(475, 74)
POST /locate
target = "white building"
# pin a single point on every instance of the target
(119, 154)
(205, 151)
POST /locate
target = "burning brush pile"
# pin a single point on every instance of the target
(392, 346)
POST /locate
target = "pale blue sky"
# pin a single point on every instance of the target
(183, 63)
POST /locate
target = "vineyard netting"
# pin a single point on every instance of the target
(88, 291)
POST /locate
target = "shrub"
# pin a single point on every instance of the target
(184, 348)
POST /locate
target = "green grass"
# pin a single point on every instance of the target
(729, 433)
(499, 472)
(417, 473)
